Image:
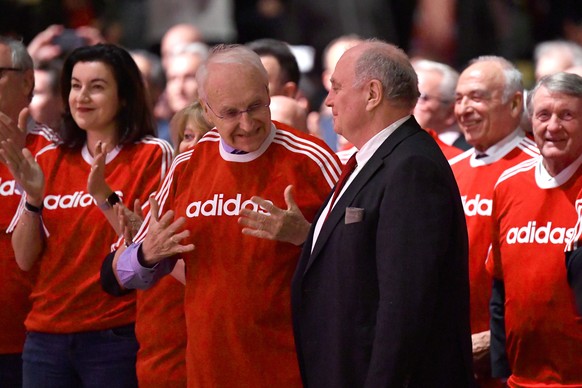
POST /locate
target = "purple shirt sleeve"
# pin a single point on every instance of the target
(133, 275)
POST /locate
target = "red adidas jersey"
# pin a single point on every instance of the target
(476, 179)
(237, 300)
(160, 328)
(15, 284)
(533, 216)
(67, 296)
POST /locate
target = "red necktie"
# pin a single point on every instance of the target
(346, 172)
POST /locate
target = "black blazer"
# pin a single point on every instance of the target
(384, 302)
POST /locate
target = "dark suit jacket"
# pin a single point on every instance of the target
(384, 302)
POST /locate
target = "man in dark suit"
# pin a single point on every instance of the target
(380, 296)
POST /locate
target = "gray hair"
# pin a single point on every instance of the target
(559, 47)
(449, 76)
(21, 59)
(228, 54)
(390, 65)
(513, 77)
(565, 83)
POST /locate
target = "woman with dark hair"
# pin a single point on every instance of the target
(77, 334)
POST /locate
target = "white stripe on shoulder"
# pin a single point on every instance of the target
(211, 135)
(167, 152)
(524, 166)
(325, 159)
(464, 155)
(46, 132)
(162, 195)
(528, 146)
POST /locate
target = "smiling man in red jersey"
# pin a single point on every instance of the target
(534, 215)
(488, 107)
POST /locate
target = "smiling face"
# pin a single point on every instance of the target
(557, 128)
(93, 98)
(479, 107)
(233, 88)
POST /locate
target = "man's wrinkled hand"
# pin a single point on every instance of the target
(281, 225)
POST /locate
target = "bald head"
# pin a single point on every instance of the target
(178, 36)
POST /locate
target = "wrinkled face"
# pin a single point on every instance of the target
(432, 110)
(482, 115)
(232, 89)
(347, 102)
(181, 85)
(557, 127)
(15, 86)
(45, 106)
(93, 97)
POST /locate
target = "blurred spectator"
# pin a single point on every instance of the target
(435, 108)
(181, 84)
(212, 18)
(150, 66)
(56, 41)
(289, 111)
(46, 106)
(177, 37)
(281, 66)
(554, 56)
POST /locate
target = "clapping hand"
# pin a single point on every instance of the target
(24, 169)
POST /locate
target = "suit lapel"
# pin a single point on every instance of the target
(374, 164)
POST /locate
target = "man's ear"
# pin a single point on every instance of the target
(375, 94)
(516, 104)
(28, 84)
(290, 89)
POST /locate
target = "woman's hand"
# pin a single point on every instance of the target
(96, 185)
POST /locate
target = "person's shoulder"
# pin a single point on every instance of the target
(40, 136)
(298, 142)
(150, 143)
(461, 159)
(515, 174)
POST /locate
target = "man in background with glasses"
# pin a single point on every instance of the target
(16, 86)
(237, 299)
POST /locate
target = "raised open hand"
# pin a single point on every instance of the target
(164, 236)
(281, 225)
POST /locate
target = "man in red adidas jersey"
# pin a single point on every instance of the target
(488, 108)
(16, 86)
(533, 217)
(237, 298)
(434, 109)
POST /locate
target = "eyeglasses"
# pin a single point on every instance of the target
(5, 69)
(427, 97)
(234, 114)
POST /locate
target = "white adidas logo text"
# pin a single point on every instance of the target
(8, 188)
(474, 206)
(218, 206)
(530, 234)
(68, 201)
